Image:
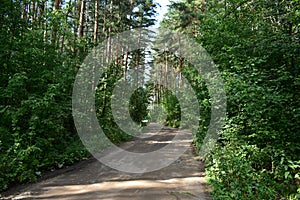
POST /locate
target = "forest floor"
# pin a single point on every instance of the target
(89, 179)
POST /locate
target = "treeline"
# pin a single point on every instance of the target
(42, 44)
(256, 47)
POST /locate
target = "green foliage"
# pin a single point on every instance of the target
(236, 172)
(230, 169)
(104, 94)
(37, 132)
(172, 107)
(202, 94)
(138, 105)
(40, 52)
(255, 45)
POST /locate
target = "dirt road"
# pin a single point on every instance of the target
(92, 180)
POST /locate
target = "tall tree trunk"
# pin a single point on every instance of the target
(96, 20)
(119, 60)
(87, 18)
(62, 48)
(41, 12)
(127, 53)
(166, 70)
(46, 22)
(104, 56)
(33, 11)
(56, 5)
(75, 24)
(129, 27)
(104, 25)
(24, 11)
(119, 14)
(81, 19)
(108, 54)
(81, 23)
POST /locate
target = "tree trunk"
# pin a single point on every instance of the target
(81, 23)
(166, 70)
(81, 19)
(41, 12)
(87, 18)
(104, 26)
(46, 22)
(56, 5)
(108, 53)
(24, 11)
(33, 11)
(127, 53)
(96, 20)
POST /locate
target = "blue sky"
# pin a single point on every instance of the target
(163, 9)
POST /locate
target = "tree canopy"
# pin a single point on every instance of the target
(254, 44)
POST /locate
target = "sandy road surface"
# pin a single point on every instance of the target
(92, 180)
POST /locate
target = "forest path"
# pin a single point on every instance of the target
(92, 180)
